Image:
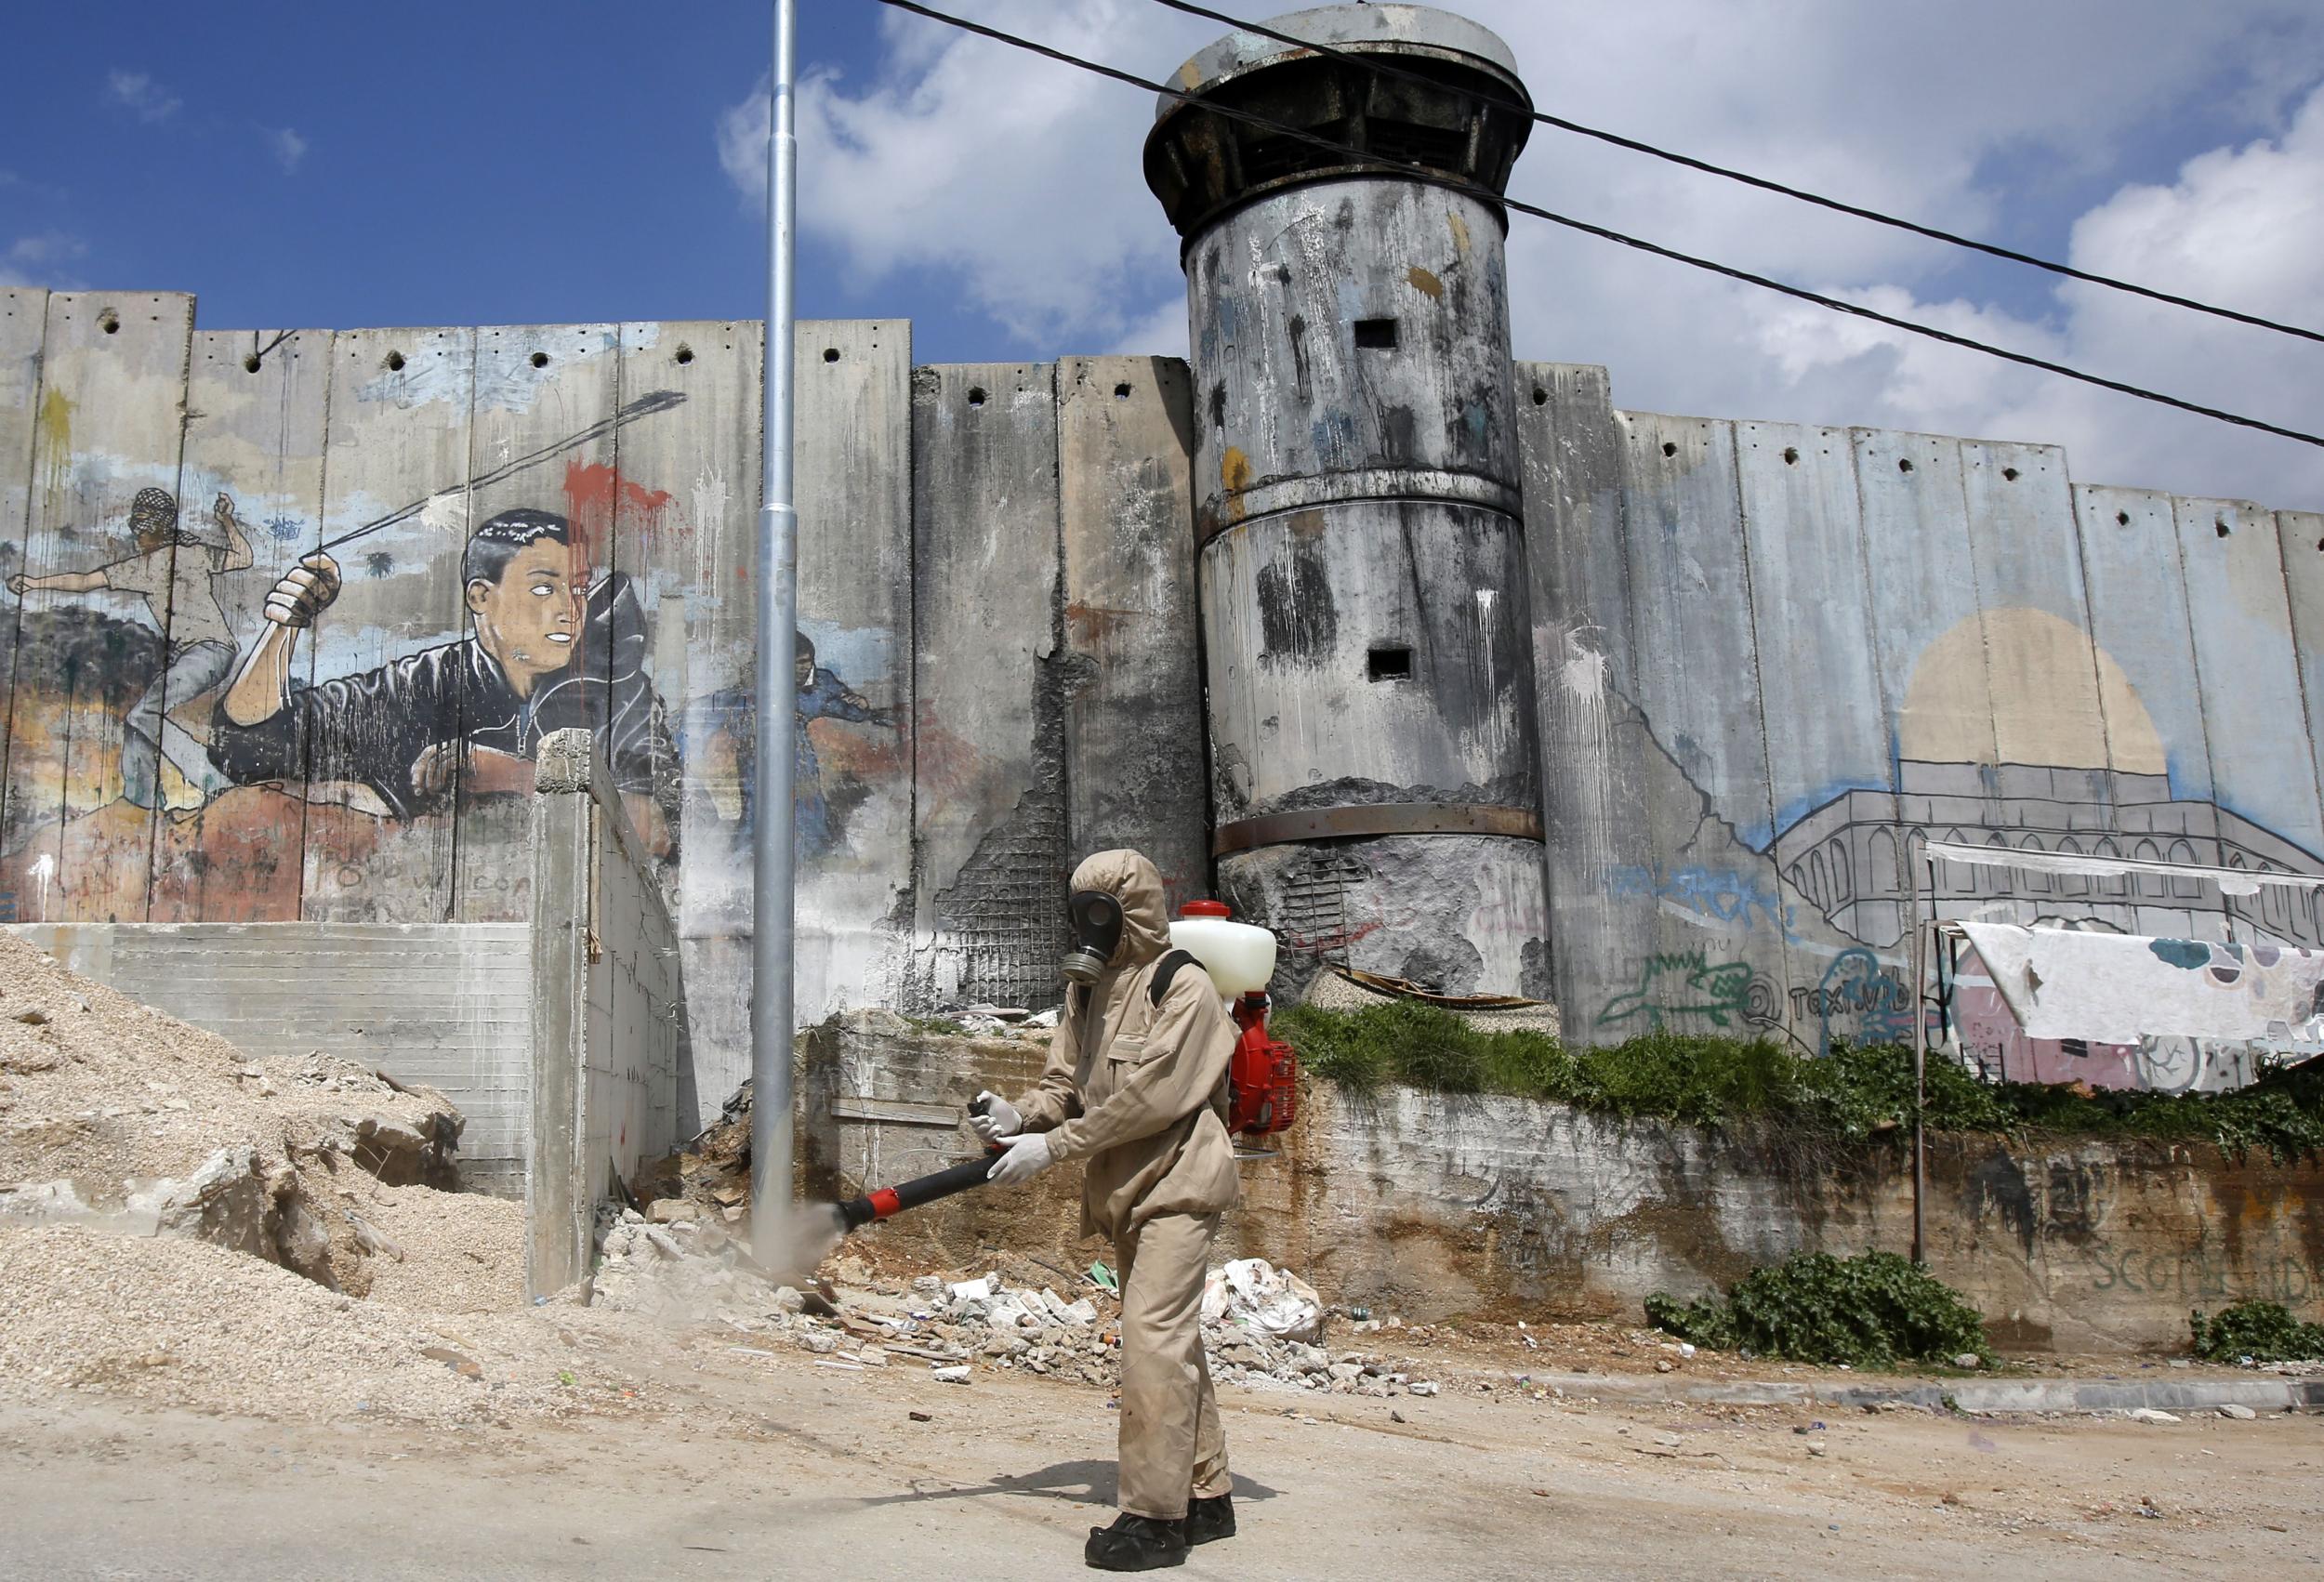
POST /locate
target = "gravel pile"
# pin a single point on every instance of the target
(187, 1323)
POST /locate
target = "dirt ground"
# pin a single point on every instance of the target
(742, 1464)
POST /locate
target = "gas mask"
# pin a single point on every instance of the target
(1096, 920)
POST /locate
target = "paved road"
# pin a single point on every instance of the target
(760, 1468)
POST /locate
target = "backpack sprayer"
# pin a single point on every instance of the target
(1263, 1075)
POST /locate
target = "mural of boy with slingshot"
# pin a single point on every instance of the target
(173, 572)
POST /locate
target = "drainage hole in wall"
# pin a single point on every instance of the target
(976, 395)
(1903, 464)
(2121, 518)
(1792, 455)
(1389, 664)
(251, 364)
(830, 354)
(395, 362)
(2219, 524)
(1121, 392)
(540, 360)
(1377, 335)
(1670, 447)
(109, 323)
(685, 353)
(2010, 473)
(1541, 395)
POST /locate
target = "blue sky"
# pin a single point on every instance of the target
(452, 164)
(335, 167)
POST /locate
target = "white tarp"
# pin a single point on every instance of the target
(2118, 988)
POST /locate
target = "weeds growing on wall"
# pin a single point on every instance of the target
(2260, 1332)
(1875, 1310)
(1853, 1094)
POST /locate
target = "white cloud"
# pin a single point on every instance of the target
(139, 92)
(1019, 182)
(289, 149)
(39, 259)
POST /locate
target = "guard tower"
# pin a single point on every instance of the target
(1362, 568)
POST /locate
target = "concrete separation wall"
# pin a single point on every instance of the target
(1767, 651)
(444, 1004)
(1432, 1206)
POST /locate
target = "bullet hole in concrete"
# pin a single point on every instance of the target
(830, 354)
(685, 353)
(2010, 473)
(1670, 447)
(109, 323)
(1541, 395)
(2121, 518)
(2219, 524)
(1377, 334)
(540, 360)
(1792, 455)
(395, 362)
(1121, 392)
(251, 364)
(976, 395)
(1903, 464)
(1389, 664)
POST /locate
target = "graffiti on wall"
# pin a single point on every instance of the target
(286, 710)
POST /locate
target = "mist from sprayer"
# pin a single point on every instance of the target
(789, 1243)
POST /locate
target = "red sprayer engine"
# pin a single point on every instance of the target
(1264, 1076)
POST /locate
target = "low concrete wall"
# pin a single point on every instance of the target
(444, 1004)
(611, 1017)
(1432, 1206)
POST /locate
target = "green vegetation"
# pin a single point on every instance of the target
(1853, 1094)
(2266, 1332)
(1873, 1310)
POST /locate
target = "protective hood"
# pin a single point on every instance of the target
(1130, 879)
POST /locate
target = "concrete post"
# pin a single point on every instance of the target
(1362, 576)
(559, 1201)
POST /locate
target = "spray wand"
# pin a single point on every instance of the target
(883, 1202)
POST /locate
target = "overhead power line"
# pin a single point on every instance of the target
(1361, 157)
(1690, 162)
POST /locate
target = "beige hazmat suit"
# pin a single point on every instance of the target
(1140, 1090)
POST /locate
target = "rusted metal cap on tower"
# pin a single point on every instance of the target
(1464, 126)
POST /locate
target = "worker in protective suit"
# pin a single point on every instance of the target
(1137, 1085)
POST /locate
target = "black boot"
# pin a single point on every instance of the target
(1209, 1520)
(1136, 1543)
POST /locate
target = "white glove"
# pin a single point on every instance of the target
(1001, 1118)
(1028, 1157)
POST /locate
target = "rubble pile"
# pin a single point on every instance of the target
(1261, 1327)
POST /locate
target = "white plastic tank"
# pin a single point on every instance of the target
(1239, 957)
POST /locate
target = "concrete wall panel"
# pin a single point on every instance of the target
(2247, 669)
(685, 530)
(855, 717)
(1701, 967)
(2300, 542)
(1819, 677)
(109, 424)
(1591, 737)
(1134, 758)
(396, 517)
(2156, 743)
(546, 391)
(254, 438)
(23, 323)
(988, 752)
